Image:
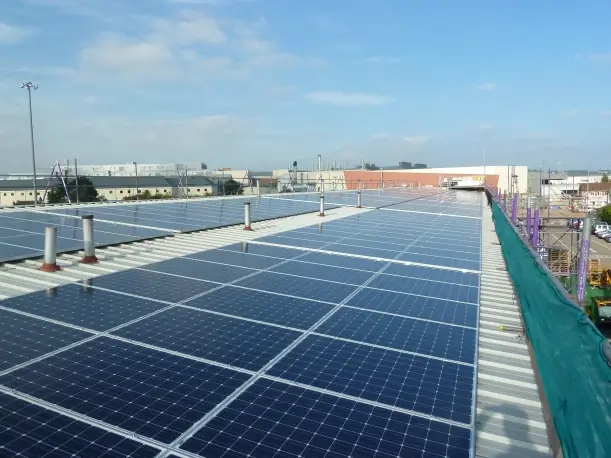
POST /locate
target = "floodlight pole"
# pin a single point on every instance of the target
(137, 184)
(29, 86)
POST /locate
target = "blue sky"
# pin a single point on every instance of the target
(260, 83)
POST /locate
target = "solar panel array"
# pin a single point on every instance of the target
(186, 216)
(362, 343)
(371, 198)
(22, 234)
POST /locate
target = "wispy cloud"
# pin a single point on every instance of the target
(383, 60)
(344, 98)
(10, 34)
(606, 113)
(604, 57)
(416, 140)
(573, 112)
(487, 87)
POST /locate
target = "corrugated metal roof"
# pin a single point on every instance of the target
(509, 420)
(24, 277)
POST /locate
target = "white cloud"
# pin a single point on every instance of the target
(573, 112)
(10, 34)
(417, 140)
(487, 87)
(188, 30)
(343, 98)
(606, 113)
(381, 136)
(384, 60)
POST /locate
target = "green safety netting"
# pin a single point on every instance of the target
(569, 351)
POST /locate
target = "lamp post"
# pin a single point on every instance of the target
(137, 184)
(29, 86)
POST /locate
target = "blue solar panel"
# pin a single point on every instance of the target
(440, 275)
(200, 269)
(297, 242)
(157, 395)
(268, 307)
(302, 287)
(432, 387)
(23, 338)
(417, 307)
(22, 234)
(402, 333)
(83, 306)
(352, 276)
(232, 341)
(343, 261)
(425, 288)
(441, 261)
(253, 248)
(233, 258)
(276, 419)
(30, 431)
(153, 285)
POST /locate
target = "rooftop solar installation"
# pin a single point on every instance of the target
(361, 343)
(194, 215)
(22, 234)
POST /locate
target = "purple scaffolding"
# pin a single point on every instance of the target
(535, 237)
(514, 209)
(528, 221)
(584, 255)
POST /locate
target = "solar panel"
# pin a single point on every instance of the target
(156, 395)
(303, 287)
(262, 306)
(24, 338)
(402, 333)
(83, 306)
(439, 388)
(153, 285)
(268, 350)
(22, 234)
(227, 340)
(191, 268)
(278, 419)
(30, 431)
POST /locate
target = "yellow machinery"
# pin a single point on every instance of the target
(595, 273)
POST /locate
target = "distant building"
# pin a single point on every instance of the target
(596, 194)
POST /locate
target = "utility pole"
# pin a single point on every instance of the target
(76, 181)
(29, 86)
(137, 183)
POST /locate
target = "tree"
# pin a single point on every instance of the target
(604, 214)
(232, 187)
(86, 191)
(605, 178)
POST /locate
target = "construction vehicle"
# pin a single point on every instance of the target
(599, 306)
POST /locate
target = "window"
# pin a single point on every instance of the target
(198, 190)
(22, 194)
(30, 193)
(121, 191)
(110, 192)
(165, 191)
(4, 194)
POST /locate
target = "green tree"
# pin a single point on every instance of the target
(86, 191)
(232, 187)
(604, 214)
(605, 178)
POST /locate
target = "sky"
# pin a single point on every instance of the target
(259, 84)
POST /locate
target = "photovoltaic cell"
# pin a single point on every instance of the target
(292, 241)
(441, 275)
(343, 261)
(424, 337)
(339, 274)
(417, 307)
(432, 387)
(30, 431)
(440, 261)
(268, 307)
(264, 250)
(23, 338)
(153, 394)
(83, 306)
(236, 259)
(200, 269)
(218, 338)
(153, 285)
(275, 419)
(439, 290)
(300, 287)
